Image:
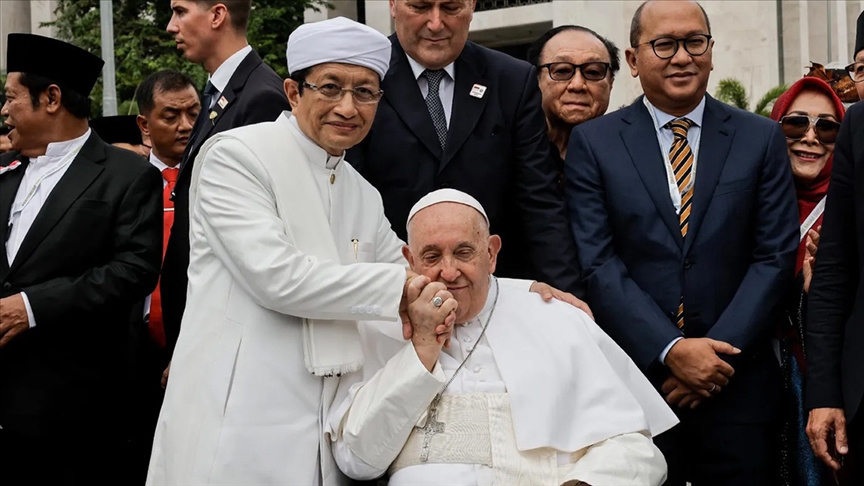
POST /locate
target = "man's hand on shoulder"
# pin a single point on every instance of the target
(13, 318)
(694, 361)
(547, 292)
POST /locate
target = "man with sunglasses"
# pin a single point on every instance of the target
(576, 69)
(684, 215)
(834, 337)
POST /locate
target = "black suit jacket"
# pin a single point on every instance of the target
(834, 331)
(255, 94)
(92, 252)
(734, 266)
(497, 150)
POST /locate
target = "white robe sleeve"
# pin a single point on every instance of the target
(624, 460)
(236, 209)
(370, 428)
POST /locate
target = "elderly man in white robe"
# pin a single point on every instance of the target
(527, 393)
(289, 248)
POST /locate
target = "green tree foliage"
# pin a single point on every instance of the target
(732, 92)
(142, 46)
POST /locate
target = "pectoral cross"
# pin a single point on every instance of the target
(432, 427)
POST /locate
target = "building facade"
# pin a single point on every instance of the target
(762, 43)
(24, 16)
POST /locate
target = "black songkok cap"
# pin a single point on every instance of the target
(859, 35)
(118, 129)
(53, 59)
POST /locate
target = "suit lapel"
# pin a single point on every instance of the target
(208, 118)
(466, 109)
(404, 96)
(714, 145)
(78, 177)
(9, 183)
(640, 138)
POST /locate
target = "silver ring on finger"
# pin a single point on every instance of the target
(713, 387)
(437, 301)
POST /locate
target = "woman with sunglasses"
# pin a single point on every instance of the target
(809, 113)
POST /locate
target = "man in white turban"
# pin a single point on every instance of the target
(289, 249)
(527, 393)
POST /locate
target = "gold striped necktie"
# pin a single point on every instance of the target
(681, 159)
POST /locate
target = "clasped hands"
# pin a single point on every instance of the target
(13, 318)
(696, 371)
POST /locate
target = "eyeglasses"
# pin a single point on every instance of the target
(795, 127)
(334, 92)
(667, 47)
(564, 71)
(856, 71)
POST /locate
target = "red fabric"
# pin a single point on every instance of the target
(155, 327)
(809, 192)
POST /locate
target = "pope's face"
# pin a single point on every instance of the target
(27, 123)
(335, 125)
(190, 26)
(432, 32)
(449, 243)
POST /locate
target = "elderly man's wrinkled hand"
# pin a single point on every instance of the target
(432, 315)
(13, 318)
(548, 292)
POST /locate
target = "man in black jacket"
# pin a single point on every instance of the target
(242, 90)
(82, 226)
(456, 114)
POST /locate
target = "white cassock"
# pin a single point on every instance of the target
(241, 407)
(546, 399)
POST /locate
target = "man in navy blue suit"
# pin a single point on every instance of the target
(685, 220)
(455, 114)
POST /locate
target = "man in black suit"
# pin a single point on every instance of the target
(242, 90)
(684, 214)
(835, 325)
(81, 222)
(455, 114)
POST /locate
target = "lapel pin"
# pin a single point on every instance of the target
(213, 116)
(478, 91)
(222, 102)
(10, 167)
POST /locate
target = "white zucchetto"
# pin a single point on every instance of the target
(338, 40)
(446, 195)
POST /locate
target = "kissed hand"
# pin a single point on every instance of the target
(431, 324)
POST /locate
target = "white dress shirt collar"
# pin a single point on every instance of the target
(158, 163)
(662, 118)
(57, 150)
(316, 155)
(417, 69)
(223, 73)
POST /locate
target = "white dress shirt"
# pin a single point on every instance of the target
(223, 73)
(665, 137)
(41, 177)
(445, 89)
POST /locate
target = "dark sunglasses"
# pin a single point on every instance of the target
(564, 71)
(795, 127)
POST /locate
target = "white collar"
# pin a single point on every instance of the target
(223, 73)
(663, 118)
(487, 307)
(313, 151)
(418, 69)
(59, 149)
(159, 164)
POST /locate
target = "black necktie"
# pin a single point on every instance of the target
(433, 103)
(209, 93)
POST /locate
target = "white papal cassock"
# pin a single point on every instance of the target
(241, 407)
(546, 399)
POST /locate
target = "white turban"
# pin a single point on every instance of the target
(446, 195)
(338, 40)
